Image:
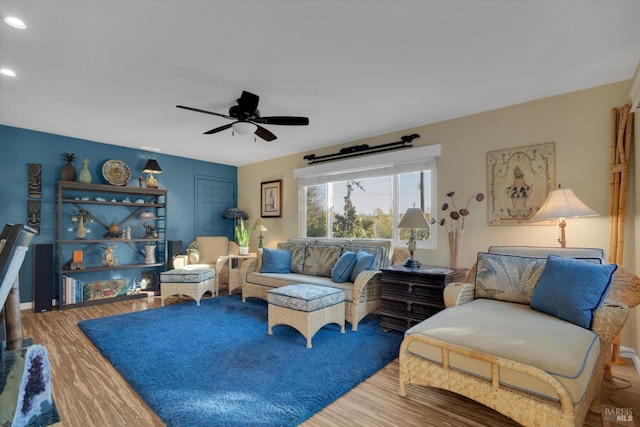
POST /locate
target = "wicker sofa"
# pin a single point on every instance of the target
(491, 346)
(312, 261)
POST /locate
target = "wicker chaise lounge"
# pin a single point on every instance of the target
(460, 348)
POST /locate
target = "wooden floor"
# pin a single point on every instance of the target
(89, 392)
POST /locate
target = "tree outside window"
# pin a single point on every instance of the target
(367, 207)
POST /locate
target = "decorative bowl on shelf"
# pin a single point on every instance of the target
(116, 172)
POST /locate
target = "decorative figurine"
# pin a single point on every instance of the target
(140, 181)
(114, 230)
(110, 259)
(127, 233)
(150, 232)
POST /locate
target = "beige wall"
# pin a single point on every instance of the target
(578, 123)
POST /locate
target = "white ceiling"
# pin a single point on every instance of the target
(113, 71)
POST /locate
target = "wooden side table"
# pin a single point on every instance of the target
(410, 295)
(235, 262)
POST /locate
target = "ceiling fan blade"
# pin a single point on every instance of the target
(265, 134)
(283, 120)
(248, 102)
(205, 111)
(218, 129)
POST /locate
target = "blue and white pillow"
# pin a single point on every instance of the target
(572, 289)
(510, 278)
(276, 261)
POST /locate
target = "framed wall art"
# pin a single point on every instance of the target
(519, 181)
(271, 199)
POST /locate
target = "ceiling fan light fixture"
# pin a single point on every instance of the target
(15, 22)
(7, 72)
(244, 128)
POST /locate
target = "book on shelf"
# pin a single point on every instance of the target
(72, 290)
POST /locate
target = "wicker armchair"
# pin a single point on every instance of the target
(492, 389)
(215, 251)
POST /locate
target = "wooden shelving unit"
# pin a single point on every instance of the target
(107, 205)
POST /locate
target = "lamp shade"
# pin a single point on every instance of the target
(244, 128)
(413, 218)
(562, 203)
(152, 166)
(259, 225)
(148, 215)
(234, 213)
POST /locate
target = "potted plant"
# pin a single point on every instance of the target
(242, 238)
(193, 252)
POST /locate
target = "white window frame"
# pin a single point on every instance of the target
(386, 164)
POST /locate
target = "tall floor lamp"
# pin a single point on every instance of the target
(560, 204)
(235, 214)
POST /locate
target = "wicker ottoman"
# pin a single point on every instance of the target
(306, 308)
(191, 280)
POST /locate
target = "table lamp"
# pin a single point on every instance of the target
(413, 218)
(152, 167)
(260, 226)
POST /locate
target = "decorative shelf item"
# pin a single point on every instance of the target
(116, 172)
(85, 175)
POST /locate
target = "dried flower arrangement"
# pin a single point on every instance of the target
(457, 215)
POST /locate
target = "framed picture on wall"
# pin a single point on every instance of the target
(271, 199)
(519, 181)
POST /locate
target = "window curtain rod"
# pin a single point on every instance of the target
(361, 150)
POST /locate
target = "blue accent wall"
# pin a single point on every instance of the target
(18, 147)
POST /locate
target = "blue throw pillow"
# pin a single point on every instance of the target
(341, 271)
(364, 261)
(276, 261)
(572, 289)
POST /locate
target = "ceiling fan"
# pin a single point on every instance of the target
(247, 118)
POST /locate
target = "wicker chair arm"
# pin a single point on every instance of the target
(367, 277)
(458, 293)
(608, 320)
(248, 266)
(221, 263)
(232, 248)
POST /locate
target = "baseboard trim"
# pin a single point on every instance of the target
(630, 353)
(29, 304)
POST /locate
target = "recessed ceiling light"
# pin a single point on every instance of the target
(15, 22)
(151, 148)
(7, 72)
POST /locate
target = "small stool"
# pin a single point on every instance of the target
(306, 308)
(191, 280)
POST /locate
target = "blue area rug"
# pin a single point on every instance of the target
(215, 365)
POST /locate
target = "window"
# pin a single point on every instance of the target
(366, 198)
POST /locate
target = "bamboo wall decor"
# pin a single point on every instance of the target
(620, 150)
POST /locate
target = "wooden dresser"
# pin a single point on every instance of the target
(410, 295)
